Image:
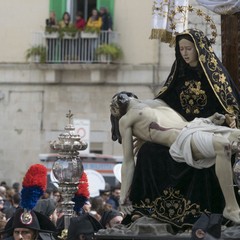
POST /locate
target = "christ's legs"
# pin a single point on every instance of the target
(223, 169)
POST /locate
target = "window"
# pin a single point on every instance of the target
(84, 6)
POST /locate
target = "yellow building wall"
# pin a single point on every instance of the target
(19, 19)
(132, 20)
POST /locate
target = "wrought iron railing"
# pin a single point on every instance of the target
(78, 49)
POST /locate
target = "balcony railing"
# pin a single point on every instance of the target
(68, 49)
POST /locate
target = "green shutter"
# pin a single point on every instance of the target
(59, 7)
(109, 4)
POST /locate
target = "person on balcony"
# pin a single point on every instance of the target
(94, 24)
(51, 21)
(106, 19)
(95, 21)
(106, 25)
(66, 20)
(66, 43)
(80, 22)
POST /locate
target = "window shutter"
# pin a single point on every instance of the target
(109, 4)
(59, 7)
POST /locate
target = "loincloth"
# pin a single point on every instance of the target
(201, 131)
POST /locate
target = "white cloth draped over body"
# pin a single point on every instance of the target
(221, 6)
(162, 21)
(201, 131)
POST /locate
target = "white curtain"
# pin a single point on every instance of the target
(221, 6)
(168, 18)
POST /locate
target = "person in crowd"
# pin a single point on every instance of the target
(87, 207)
(57, 196)
(104, 194)
(15, 204)
(2, 206)
(29, 225)
(5, 195)
(114, 197)
(198, 86)
(2, 197)
(3, 191)
(17, 187)
(111, 218)
(3, 221)
(52, 21)
(66, 20)
(95, 20)
(47, 193)
(4, 184)
(47, 207)
(83, 227)
(97, 208)
(106, 19)
(80, 22)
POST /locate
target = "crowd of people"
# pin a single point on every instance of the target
(99, 20)
(66, 48)
(197, 87)
(103, 210)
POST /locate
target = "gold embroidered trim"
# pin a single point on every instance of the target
(171, 208)
(163, 35)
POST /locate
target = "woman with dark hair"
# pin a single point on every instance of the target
(197, 86)
(66, 43)
(201, 87)
(94, 21)
(66, 20)
(94, 24)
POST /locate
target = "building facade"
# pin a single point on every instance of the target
(35, 97)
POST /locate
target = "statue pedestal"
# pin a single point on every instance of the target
(146, 228)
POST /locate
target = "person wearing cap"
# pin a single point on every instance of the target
(207, 227)
(28, 225)
(47, 207)
(111, 218)
(83, 227)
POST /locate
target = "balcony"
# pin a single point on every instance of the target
(68, 49)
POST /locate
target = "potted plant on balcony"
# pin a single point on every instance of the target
(90, 32)
(109, 52)
(51, 32)
(37, 54)
(69, 32)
